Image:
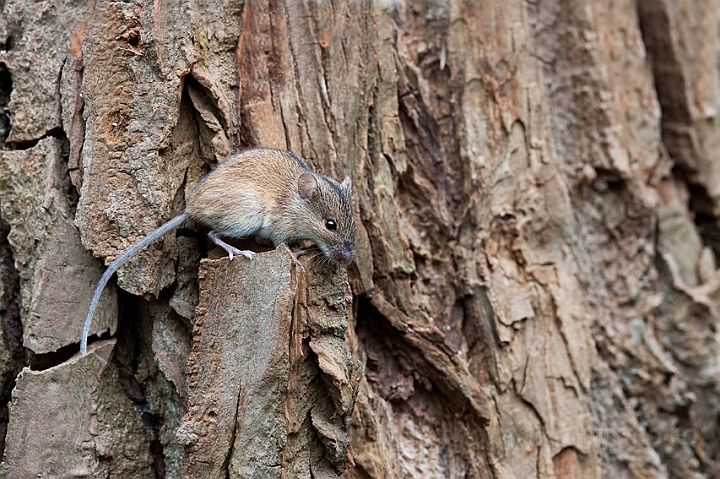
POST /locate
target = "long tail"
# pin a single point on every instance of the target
(115, 265)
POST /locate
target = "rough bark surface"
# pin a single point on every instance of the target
(77, 407)
(535, 293)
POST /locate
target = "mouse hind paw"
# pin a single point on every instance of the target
(229, 249)
(232, 252)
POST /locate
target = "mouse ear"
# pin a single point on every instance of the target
(346, 184)
(307, 186)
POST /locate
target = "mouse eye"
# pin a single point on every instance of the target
(331, 225)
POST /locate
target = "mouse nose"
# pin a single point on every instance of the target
(342, 253)
(346, 257)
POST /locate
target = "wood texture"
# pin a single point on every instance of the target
(83, 405)
(537, 192)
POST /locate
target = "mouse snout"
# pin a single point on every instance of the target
(341, 252)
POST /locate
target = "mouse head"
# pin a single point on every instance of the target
(332, 225)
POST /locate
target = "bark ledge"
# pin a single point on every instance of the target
(267, 339)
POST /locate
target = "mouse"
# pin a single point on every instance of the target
(267, 193)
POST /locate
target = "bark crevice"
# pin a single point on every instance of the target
(14, 354)
(5, 90)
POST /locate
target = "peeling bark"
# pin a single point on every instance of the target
(535, 292)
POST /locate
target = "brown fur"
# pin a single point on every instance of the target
(255, 192)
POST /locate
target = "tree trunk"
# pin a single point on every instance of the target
(535, 292)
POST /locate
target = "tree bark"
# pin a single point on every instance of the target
(535, 292)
